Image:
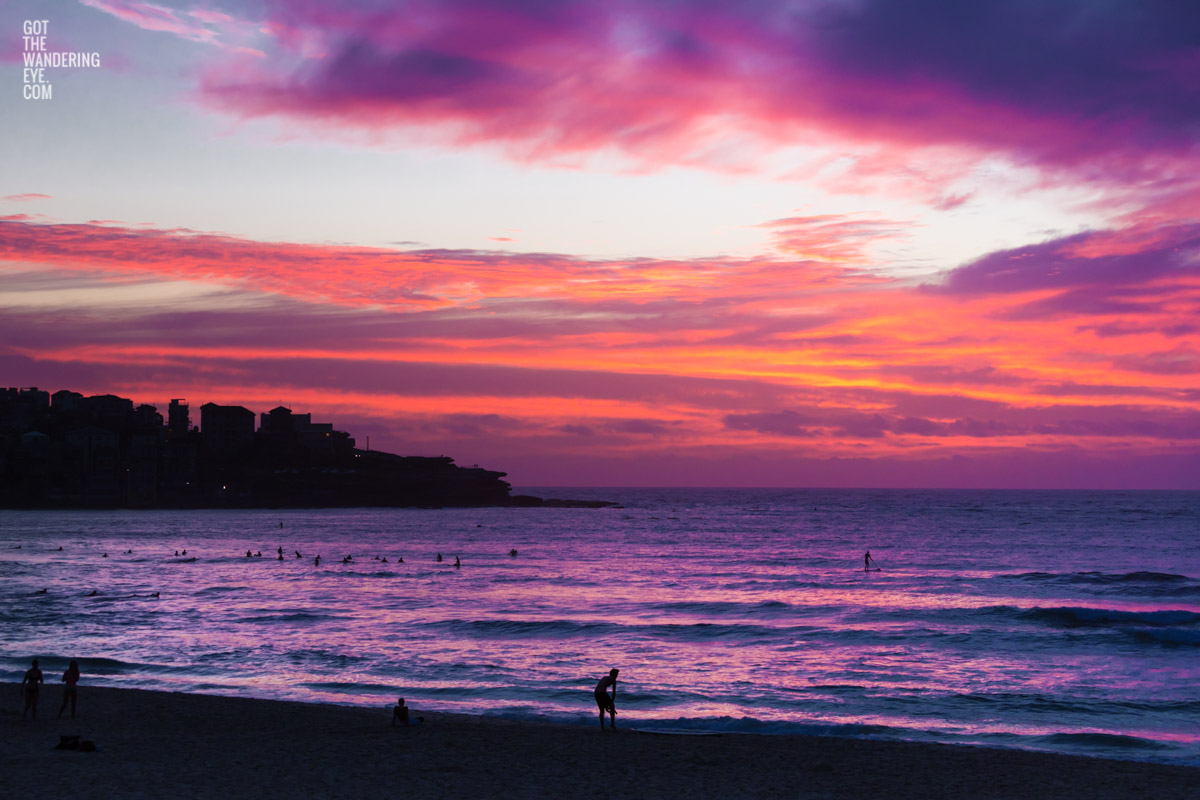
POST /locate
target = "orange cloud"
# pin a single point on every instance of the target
(1085, 347)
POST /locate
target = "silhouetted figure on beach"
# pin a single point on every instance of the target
(400, 713)
(70, 692)
(317, 560)
(457, 563)
(439, 558)
(30, 685)
(605, 701)
(249, 554)
(867, 561)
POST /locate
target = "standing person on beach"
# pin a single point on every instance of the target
(70, 692)
(29, 685)
(606, 702)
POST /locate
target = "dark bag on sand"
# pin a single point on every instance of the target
(67, 743)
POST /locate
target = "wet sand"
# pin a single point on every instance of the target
(170, 745)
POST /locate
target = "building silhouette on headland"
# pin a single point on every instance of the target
(65, 450)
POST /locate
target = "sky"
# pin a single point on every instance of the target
(860, 243)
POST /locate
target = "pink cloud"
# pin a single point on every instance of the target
(1099, 95)
(20, 198)
(152, 17)
(198, 25)
(832, 237)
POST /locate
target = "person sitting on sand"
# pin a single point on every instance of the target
(70, 678)
(29, 685)
(400, 713)
(606, 702)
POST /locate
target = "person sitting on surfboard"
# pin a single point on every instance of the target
(867, 561)
(603, 699)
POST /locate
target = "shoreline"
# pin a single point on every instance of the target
(169, 744)
(522, 501)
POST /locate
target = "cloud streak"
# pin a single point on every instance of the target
(1105, 94)
(549, 354)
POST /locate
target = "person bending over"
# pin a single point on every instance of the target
(605, 701)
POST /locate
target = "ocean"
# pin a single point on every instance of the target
(1063, 621)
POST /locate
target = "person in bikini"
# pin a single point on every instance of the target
(30, 685)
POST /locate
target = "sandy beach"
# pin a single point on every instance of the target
(165, 745)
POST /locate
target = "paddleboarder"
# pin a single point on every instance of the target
(867, 561)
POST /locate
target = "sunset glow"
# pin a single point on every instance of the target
(905, 248)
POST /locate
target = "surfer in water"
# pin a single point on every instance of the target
(605, 701)
(867, 561)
